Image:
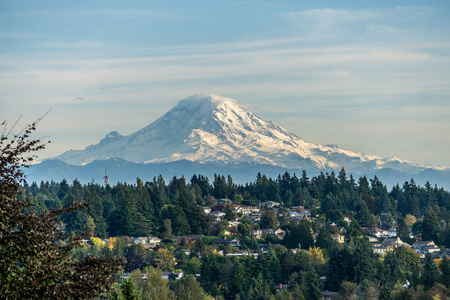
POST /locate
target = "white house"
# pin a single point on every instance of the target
(167, 275)
(153, 240)
(378, 232)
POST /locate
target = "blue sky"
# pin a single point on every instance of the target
(370, 76)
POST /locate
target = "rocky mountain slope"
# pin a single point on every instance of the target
(210, 129)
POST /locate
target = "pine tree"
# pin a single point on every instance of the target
(187, 288)
(229, 215)
(445, 269)
(269, 219)
(129, 289)
(314, 286)
(361, 260)
(95, 210)
(324, 239)
(122, 220)
(430, 226)
(431, 273)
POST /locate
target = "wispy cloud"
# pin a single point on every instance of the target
(74, 44)
(365, 64)
(326, 18)
(19, 35)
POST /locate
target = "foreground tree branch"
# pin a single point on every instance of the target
(35, 257)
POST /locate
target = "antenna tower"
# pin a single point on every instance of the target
(106, 178)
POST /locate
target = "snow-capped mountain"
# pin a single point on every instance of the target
(210, 129)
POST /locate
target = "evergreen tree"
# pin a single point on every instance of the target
(274, 267)
(229, 215)
(430, 226)
(431, 273)
(361, 261)
(239, 280)
(269, 220)
(144, 210)
(340, 267)
(260, 290)
(129, 289)
(95, 210)
(299, 234)
(324, 239)
(187, 288)
(445, 269)
(122, 219)
(402, 228)
(314, 286)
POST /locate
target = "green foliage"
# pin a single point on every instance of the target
(430, 226)
(35, 258)
(324, 239)
(192, 266)
(402, 264)
(128, 290)
(229, 215)
(445, 269)
(348, 290)
(269, 220)
(299, 234)
(155, 287)
(314, 286)
(431, 273)
(361, 261)
(129, 210)
(187, 288)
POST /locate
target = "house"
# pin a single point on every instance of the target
(223, 201)
(269, 204)
(297, 217)
(255, 216)
(266, 246)
(172, 275)
(338, 238)
(256, 233)
(441, 254)
(206, 209)
(231, 242)
(233, 224)
(379, 249)
(280, 287)
(394, 243)
(247, 210)
(392, 232)
(373, 240)
(253, 253)
(425, 247)
(377, 232)
(217, 214)
(421, 244)
(188, 238)
(141, 240)
(153, 240)
(279, 233)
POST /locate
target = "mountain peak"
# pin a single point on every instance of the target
(205, 101)
(207, 128)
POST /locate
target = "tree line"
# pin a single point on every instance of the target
(157, 208)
